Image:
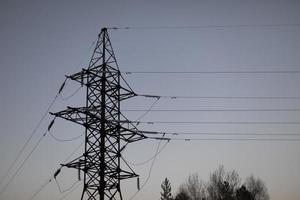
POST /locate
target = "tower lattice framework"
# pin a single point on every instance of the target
(107, 131)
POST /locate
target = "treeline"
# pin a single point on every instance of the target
(222, 185)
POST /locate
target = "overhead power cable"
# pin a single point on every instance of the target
(217, 97)
(229, 139)
(65, 140)
(67, 189)
(211, 122)
(292, 72)
(27, 157)
(148, 110)
(11, 166)
(23, 162)
(63, 98)
(69, 192)
(50, 179)
(71, 95)
(214, 110)
(87, 53)
(150, 170)
(225, 26)
(152, 157)
(73, 152)
(41, 188)
(219, 134)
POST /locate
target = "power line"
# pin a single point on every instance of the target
(214, 110)
(218, 97)
(28, 140)
(220, 134)
(74, 188)
(51, 177)
(87, 53)
(65, 140)
(49, 180)
(36, 145)
(67, 189)
(24, 161)
(226, 26)
(32, 133)
(31, 152)
(63, 98)
(148, 110)
(229, 139)
(151, 158)
(41, 187)
(150, 170)
(71, 95)
(73, 152)
(210, 122)
(292, 72)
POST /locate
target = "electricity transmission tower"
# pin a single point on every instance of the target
(107, 131)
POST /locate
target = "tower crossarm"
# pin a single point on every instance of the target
(81, 115)
(91, 77)
(131, 134)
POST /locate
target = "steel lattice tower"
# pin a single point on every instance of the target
(107, 131)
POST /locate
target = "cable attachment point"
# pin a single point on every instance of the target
(138, 183)
(57, 172)
(113, 28)
(62, 86)
(51, 124)
(150, 96)
(82, 76)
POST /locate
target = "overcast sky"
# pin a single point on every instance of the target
(42, 41)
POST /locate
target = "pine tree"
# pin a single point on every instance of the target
(166, 190)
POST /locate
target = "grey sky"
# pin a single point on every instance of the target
(41, 41)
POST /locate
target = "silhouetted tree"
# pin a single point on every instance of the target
(222, 184)
(226, 192)
(257, 188)
(243, 194)
(182, 195)
(194, 187)
(166, 190)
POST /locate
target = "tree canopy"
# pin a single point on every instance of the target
(166, 193)
(222, 185)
